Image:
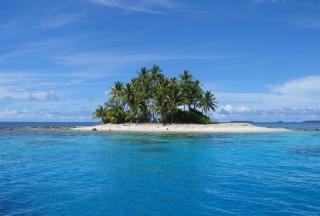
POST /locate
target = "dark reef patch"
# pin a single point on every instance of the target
(315, 151)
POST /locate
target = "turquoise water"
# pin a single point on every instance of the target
(75, 173)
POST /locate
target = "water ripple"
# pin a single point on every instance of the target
(65, 173)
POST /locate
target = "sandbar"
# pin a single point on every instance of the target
(183, 128)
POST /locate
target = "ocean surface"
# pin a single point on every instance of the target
(102, 173)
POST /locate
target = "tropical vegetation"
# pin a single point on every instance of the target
(153, 97)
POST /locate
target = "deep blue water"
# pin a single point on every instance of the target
(75, 173)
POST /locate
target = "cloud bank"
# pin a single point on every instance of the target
(294, 100)
(80, 115)
(229, 113)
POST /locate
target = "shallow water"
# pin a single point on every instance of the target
(75, 173)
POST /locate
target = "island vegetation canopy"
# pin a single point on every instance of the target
(153, 97)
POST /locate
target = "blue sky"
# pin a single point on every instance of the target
(261, 58)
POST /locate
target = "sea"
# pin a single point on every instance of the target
(64, 172)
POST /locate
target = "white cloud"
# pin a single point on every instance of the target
(23, 115)
(228, 109)
(52, 96)
(243, 109)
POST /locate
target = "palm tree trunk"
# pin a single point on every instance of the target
(171, 117)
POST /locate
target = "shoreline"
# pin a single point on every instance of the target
(182, 128)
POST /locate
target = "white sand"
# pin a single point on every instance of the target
(187, 128)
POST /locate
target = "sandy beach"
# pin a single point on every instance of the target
(183, 128)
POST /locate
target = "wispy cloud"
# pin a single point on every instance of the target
(145, 6)
(54, 86)
(308, 23)
(117, 58)
(305, 87)
(57, 20)
(24, 85)
(15, 54)
(264, 1)
(36, 21)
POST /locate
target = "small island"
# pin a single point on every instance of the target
(153, 102)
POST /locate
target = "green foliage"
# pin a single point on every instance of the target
(115, 115)
(208, 102)
(100, 112)
(191, 116)
(151, 96)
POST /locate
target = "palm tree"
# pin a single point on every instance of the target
(187, 80)
(116, 92)
(143, 88)
(143, 75)
(151, 95)
(186, 77)
(174, 98)
(208, 102)
(100, 112)
(162, 87)
(144, 97)
(195, 94)
(160, 105)
(156, 74)
(128, 95)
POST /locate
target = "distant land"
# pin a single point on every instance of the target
(312, 121)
